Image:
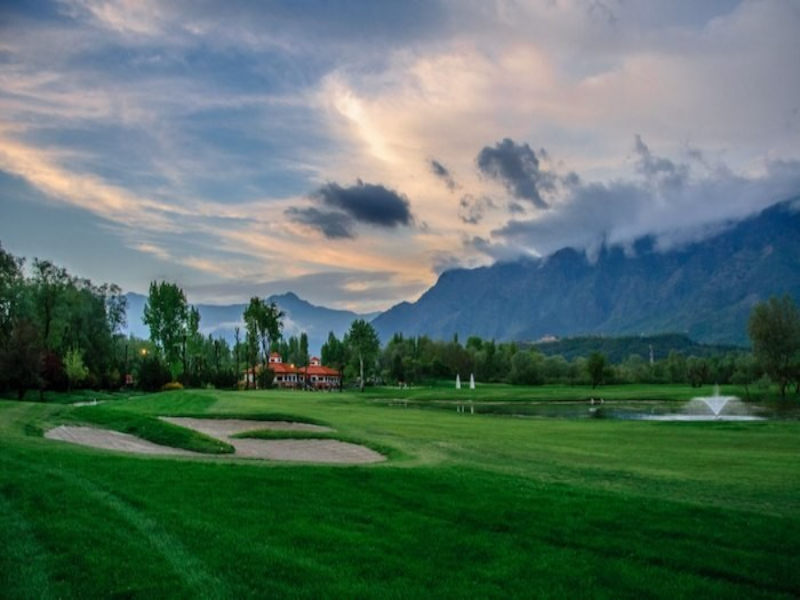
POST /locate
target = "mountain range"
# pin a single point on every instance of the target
(704, 289)
(221, 320)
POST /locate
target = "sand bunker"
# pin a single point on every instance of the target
(320, 451)
(316, 451)
(223, 428)
(111, 440)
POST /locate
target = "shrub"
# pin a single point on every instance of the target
(172, 385)
(153, 374)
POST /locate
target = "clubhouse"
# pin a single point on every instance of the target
(313, 377)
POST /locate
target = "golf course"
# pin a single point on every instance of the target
(456, 503)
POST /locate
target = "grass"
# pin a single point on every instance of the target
(467, 506)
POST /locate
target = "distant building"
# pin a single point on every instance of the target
(315, 376)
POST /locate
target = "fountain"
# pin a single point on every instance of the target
(715, 403)
(710, 408)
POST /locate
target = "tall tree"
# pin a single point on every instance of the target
(363, 342)
(303, 349)
(596, 368)
(774, 329)
(49, 284)
(74, 367)
(237, 339)
(166, 313)
(21, 358)
(11, 285)
(267, 319)
(333, 352)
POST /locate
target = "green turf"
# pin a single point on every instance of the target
(467, 506)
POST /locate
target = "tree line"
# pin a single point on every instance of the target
(58, 332)
(774, 329)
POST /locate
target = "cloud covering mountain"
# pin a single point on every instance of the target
(228, 146)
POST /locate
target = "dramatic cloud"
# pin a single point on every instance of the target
(344, 207)
(673, 203)
(444, 174)
(367, 203)
(517, 168)
(332, 224)
(192, 142)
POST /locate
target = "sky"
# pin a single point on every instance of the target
(351, 151)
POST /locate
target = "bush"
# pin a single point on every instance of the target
(153, 374)
(171, 386)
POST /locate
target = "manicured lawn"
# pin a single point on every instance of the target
(466, 506)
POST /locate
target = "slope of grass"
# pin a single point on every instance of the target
(149, 428)
(473, 506)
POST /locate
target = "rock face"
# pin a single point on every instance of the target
(705, 289)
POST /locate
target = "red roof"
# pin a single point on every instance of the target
(320, 370)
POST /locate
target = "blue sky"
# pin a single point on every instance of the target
(351, 151)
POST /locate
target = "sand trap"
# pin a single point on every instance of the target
(316, 451)
(111, 440)
(222, 428)
(319, 451)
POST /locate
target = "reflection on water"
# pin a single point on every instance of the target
(610, 409)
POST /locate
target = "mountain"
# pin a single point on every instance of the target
(220, 320)
(704, 289)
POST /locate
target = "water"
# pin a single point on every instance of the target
(709, 408)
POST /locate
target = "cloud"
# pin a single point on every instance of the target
(343, 207)
(333, 225)
(471, 210)
(661, 171)
(444, 174)
(674, 204)
(517, 168)
(499, 252)
(368, 203)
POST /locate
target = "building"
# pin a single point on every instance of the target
(315, 376)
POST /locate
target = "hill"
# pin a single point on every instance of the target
(220, 320)
(704, 289)
(617, 349)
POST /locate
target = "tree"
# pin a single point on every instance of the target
(745, 372)
(11, 284)
(774, 329)
(697, 371)
(303, 349)
(596, 367)
(237, 343)
(267, 320)
(21, 358)
(363, 341)
(333, 352)
(166, 313)
(74, 367)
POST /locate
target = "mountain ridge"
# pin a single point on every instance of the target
(219, 320)
(705, 289)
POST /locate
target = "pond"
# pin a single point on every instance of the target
(631, 410)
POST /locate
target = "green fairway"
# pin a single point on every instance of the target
(465, 506)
